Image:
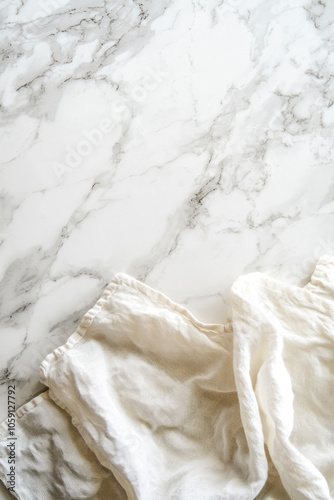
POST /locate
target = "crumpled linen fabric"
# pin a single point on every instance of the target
(148, 403)
(284, 371)
(52, 459)
(158, 398)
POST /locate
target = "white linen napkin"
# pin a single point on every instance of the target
(156, 405)
(284, 371)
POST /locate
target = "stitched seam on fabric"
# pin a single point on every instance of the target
(79, 334)
(182, 311)
(24, 409)
(52, 358)
(92, 446)
(160, 297)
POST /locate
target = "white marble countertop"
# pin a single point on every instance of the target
(184, 143)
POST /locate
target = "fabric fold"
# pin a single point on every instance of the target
(146, 402)
(52, 460)
(158, 396)
(284, 365)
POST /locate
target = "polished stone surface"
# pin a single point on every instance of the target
(184, 143)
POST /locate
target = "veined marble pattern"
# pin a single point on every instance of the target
(182, 142)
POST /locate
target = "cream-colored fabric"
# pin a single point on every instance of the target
(152, 391)
(176, 409)
(284, 370)
(52, 461)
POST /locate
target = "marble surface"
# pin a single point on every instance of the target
(184, 143)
